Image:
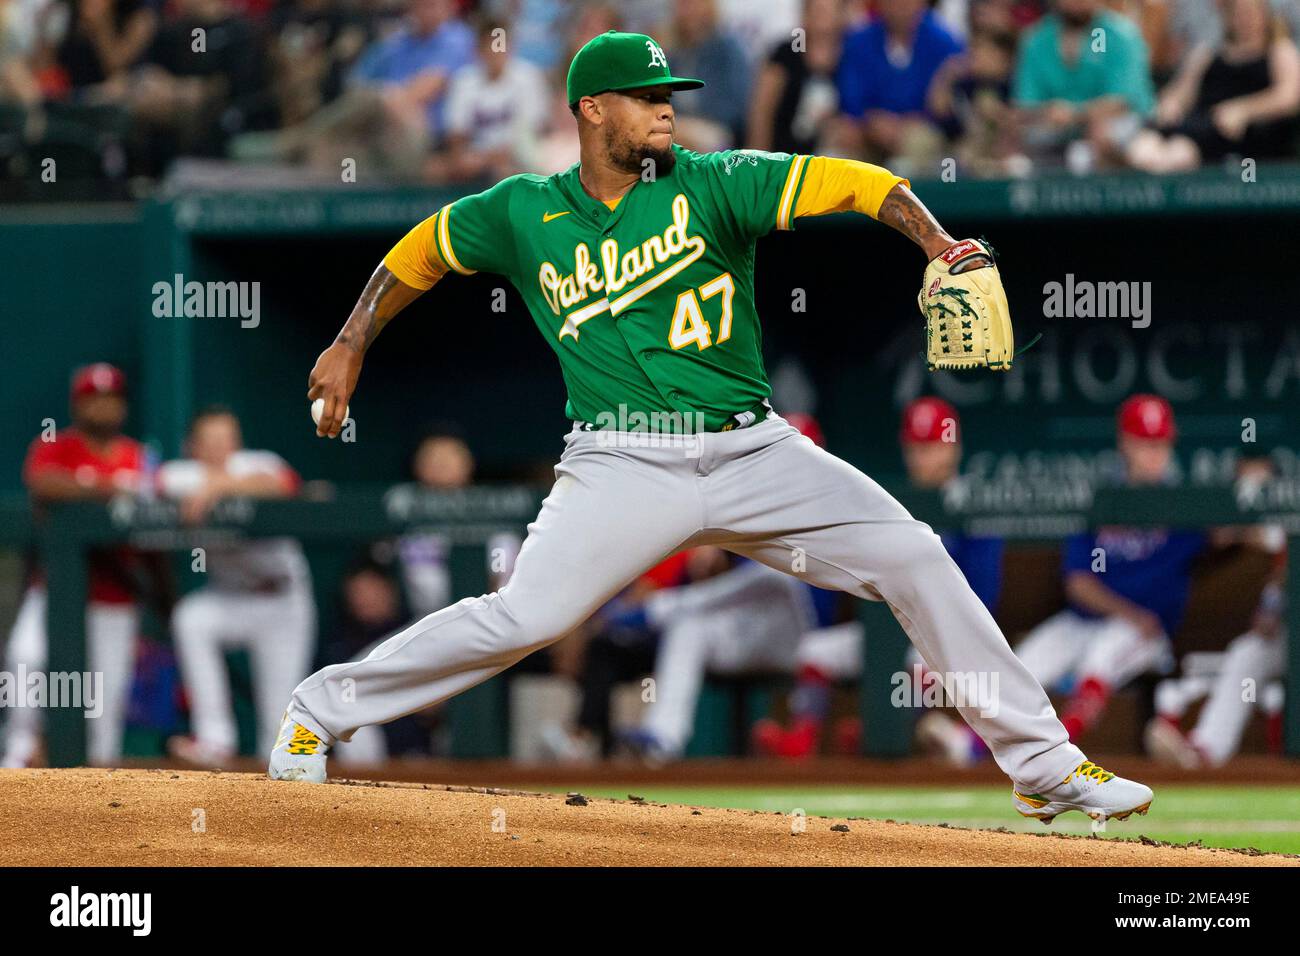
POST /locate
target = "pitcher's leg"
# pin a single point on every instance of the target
(846, 532)
(608, 518)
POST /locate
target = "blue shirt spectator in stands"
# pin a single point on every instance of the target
(980, 561)
(1151, 567)
(421, 57)
(884, 76)
(537, 29)
(713, 117)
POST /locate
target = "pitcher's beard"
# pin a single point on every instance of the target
(630, 157)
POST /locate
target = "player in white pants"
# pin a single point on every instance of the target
(89, 460)
(110, 651)
(258, 596)
(747, 618)
(1246, 677)
(1251, 664)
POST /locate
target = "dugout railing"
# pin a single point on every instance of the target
(1018, 511)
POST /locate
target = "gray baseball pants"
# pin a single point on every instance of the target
(623, 501)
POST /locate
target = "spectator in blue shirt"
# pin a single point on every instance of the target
(413, 67)
(537, 29)
(883, 79)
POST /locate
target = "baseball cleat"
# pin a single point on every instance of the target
(299, 754)
(1089, 789)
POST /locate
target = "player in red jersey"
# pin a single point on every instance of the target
(91, 460)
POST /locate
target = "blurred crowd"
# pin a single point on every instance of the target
(702, 615)
(467, 91)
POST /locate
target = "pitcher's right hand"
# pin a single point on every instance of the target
(334, 379)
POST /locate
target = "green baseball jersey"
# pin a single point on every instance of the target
(649, 307)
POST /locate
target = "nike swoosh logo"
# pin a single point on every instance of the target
(548, 216)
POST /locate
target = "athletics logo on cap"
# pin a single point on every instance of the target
(616, 63)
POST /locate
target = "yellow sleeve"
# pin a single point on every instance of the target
(415, 258)
(839, 185)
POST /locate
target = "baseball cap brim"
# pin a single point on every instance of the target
(674, 82)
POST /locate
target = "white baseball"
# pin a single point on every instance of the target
(318, 409)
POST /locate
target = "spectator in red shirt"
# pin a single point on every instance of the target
(88, 461)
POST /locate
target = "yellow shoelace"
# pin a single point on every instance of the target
(1089, 769)
(303, 743)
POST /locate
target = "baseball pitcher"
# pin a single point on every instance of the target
(636, 265)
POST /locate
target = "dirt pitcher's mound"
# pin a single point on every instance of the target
(164, 817)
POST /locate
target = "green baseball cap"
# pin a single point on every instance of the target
(613, 62)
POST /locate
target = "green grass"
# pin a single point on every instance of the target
(1267, 818)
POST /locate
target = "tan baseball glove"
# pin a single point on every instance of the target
(967, 321)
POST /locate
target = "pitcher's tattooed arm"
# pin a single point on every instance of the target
(383, 297)
(334, 378)
(902, 210)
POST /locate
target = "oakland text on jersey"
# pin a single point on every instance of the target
(666, 271)
(566, 290)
